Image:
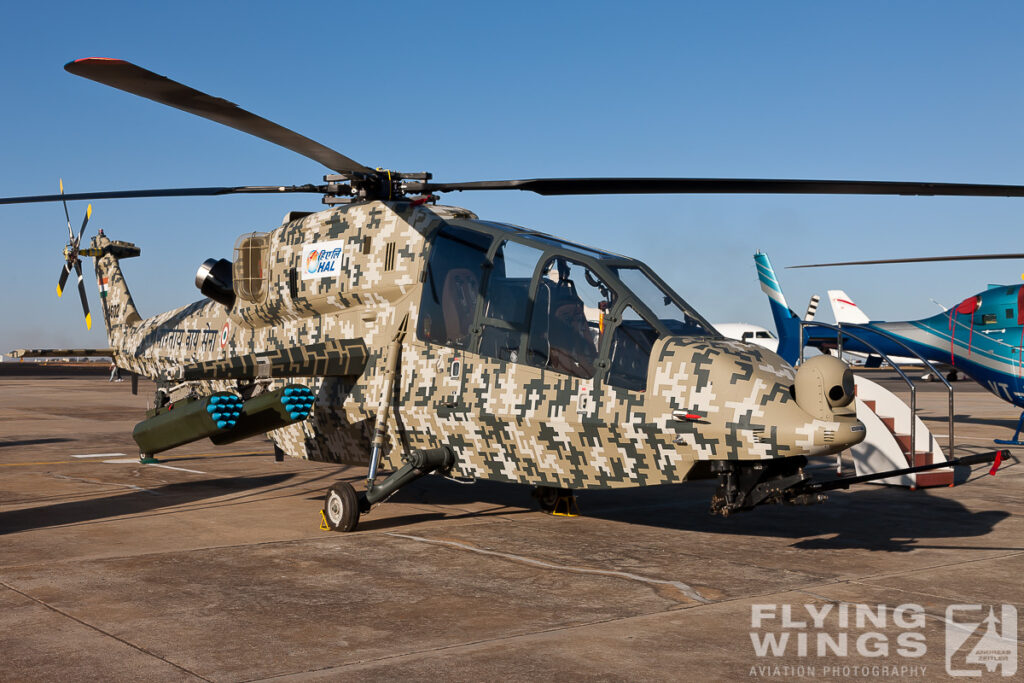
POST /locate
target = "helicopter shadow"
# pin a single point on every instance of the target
(1008, 423)
(134, 503)
(32, 442)
(879, 518)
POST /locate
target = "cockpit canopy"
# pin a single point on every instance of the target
(525, 297)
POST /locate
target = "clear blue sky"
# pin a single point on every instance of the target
(470, 91)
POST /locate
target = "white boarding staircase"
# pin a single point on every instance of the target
(887, 444)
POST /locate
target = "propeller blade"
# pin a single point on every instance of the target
(71, 233)
(923, 259)
(134, 79)
(81, 292)
(171, 192)
(85, 221)
(585, 186)
(65, 270)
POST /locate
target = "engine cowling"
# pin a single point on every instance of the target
(214, 280)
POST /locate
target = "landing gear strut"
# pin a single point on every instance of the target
(342, 506)
(1015, 441)
(743, 486)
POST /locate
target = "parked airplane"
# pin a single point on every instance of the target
(762, 336)
(846, 311)
(753, 334)
(983, 337)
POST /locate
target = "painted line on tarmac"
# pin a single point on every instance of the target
(135, 461)
(105, 483)
(98, 455)
(685, 589)
(170, 467)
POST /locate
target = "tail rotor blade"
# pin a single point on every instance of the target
(71, 234)
(85, 222)
(65, 270)
(81, 292)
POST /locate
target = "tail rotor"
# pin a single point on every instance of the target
(71, 259)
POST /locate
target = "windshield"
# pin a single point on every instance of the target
(681, 320)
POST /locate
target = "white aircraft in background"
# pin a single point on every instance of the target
(755, 334)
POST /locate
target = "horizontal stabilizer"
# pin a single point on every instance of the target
(60, 353)
(335, 358)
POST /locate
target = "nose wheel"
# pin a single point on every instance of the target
(341, 507)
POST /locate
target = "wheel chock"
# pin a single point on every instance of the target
(323, 522)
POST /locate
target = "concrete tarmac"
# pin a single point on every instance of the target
(211, 566)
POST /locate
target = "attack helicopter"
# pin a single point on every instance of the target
(393, 331)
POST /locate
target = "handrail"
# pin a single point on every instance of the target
(910, 383)
(927, 363)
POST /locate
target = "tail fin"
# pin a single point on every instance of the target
(787, 323)
(844, 310)
(812, 308)
(119, 313)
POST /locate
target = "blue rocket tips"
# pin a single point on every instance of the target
(298, 401)
(224, 409)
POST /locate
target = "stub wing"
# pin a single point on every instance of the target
(334, 358)
(61, 353)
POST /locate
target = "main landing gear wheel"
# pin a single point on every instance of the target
(341, 507)
(556, 501)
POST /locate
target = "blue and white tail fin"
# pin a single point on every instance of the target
(787, 323)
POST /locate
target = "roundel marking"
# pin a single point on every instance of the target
(225, 334)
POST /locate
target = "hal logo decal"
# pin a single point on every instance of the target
(321, 259)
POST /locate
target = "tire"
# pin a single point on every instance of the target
(341, 507)
(548, 496)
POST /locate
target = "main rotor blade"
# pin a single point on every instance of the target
(81, 293)
(172, 192)
(584, 186)
(922, 259)
(134, 79)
